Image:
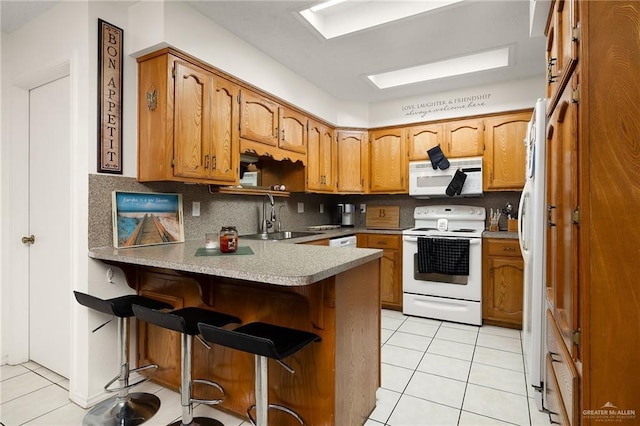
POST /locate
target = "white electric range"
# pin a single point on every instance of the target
(444, 296)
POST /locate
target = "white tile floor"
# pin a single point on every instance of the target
(433, 373)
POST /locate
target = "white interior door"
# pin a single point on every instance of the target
(49, 223)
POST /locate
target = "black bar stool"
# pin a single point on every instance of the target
(264, 341)
(125, 408)
(185, 321)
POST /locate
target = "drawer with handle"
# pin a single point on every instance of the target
(502, 247)
(383, 241)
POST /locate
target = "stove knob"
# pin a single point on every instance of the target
(471, 211)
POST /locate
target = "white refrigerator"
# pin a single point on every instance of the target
(531, 233)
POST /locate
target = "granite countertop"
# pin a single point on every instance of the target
(273, 262)
(500, 234)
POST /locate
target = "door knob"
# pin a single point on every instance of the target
(29, 240)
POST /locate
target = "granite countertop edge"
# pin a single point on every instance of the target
(270, 264)
(500, 234)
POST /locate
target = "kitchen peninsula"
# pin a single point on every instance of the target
(331, 292)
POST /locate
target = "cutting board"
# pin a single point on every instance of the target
(383, 217)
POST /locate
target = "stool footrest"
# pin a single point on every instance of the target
(276, 407)
(129, 386)
(209, 401)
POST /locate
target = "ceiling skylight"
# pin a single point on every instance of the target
(448, 68)
(335, 18)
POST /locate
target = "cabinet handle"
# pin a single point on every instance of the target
(215, 162)
(206, 161)
(549, 212)
(508, 249)
(283, 137)
(550, 77)
(275, 134)
(250, 151)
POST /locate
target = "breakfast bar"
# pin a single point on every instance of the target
(334, 293)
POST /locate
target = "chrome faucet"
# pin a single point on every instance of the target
(267, 223)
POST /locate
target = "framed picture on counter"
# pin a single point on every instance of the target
(146, 218)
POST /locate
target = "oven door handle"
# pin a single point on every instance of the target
(472, 241)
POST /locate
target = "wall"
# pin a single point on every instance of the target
(63, 37)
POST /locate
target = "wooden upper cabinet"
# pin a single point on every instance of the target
(271, 130)
(193, 110)
(186, 127)
(225, 155)
(352, 159)
(259, 118)
(321, 153)
(562, 47)
(422, 138)
(388, 161)
(293, 130)
(504, 156)
(465, 138)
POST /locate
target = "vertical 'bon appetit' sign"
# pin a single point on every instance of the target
(109, 98)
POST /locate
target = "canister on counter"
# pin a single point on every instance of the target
(228, 239)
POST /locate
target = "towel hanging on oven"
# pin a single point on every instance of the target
(443, 256)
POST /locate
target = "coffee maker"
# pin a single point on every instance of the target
(346, 213)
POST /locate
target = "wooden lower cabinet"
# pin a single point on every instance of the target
(502, 282)
(562, 382)
(334, 382)
(322, 242)
(390, 267)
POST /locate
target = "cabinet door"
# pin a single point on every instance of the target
(504, 157)
(390, 268)
(192, 119)
(465, 138)
(503, 290)
(293, 131)
(387, 161)
(259, 119)
(320, 158)
(225, 152)
(352, 161)
(314, 157)
(562, 49)
(423, 138)
(562, 230)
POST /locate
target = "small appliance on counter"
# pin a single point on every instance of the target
(346, 214)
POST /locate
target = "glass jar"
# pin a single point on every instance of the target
(228, 239)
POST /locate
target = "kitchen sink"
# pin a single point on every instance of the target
(285, 235)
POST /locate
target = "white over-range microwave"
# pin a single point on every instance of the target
(425, 182)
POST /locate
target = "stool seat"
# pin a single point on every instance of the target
(185, 321)
(120, 307)
(263, 341)
(259, 338)
(124, 409)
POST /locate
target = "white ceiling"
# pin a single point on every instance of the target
(339, 65)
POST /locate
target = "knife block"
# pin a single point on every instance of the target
(512, 225)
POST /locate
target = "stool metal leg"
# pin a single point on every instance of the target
(262, 390)
(186, 384)
(262, 405)
(124, 409)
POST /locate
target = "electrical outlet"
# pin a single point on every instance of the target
(300, 207)
(195, 208)
(321, 208)
(363, 208)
